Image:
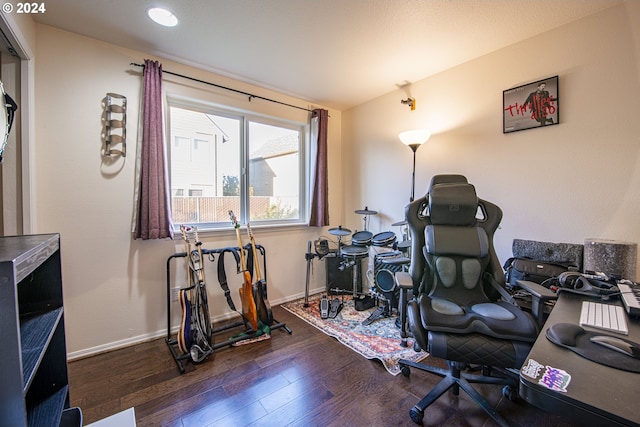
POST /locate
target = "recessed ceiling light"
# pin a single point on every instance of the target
(162, 16)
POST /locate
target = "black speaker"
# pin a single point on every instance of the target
(342, 279)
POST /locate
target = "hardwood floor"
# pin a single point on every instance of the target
(302, 379)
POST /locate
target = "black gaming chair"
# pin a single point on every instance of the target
(457, 313)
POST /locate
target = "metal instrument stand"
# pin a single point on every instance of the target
(172, 343)
(309, 258)
(366, 212)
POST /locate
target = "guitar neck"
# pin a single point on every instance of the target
(183, 229)
(255, 253)
(243, 262)
(256, 263)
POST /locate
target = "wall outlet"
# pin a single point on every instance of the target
(175, 294)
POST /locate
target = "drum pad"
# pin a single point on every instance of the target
(578, 340)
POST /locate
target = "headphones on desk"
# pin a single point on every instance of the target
(577, 283)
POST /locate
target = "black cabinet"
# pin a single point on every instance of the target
(33, 356)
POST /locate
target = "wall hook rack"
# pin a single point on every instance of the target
(115, 125)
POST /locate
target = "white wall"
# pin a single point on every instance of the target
(114, 287)
(563, 183)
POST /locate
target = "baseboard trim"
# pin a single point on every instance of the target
(127, 342)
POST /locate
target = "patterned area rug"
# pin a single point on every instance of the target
(379, 340)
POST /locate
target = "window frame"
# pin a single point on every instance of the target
(246, 117)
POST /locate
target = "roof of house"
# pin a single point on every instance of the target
(276, 147)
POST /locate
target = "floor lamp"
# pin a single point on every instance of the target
(414, 139)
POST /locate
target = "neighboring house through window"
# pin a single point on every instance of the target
(225, 160)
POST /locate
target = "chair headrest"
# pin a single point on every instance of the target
(447, 179)
(453, 204)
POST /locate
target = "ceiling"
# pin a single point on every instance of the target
(336, 53)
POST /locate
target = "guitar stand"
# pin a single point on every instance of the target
(172, 343)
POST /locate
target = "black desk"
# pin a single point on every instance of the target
(596, 394)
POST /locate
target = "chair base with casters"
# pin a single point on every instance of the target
(454, 378)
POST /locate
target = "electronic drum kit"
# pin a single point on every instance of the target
(389, 256)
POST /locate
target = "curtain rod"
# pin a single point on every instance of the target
(250, 95)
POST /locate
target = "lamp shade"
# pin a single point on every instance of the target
(414, 137)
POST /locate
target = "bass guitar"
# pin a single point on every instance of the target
(184, 334)
(195, 332)
(260, 286)
(249, 310)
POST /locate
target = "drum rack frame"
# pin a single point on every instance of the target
(172, 342)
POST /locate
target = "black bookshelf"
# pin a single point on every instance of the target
(35, 389)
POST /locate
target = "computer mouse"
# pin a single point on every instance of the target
(617, 344)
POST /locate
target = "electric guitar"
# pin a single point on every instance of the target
(195, 332)
(260, 286)
(202, 317)
(249, 309)
(184, 334)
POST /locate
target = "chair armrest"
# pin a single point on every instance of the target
(539, 295)
(404, 280)
(405, 283)
(538, 291)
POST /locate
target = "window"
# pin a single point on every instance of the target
(224, 160)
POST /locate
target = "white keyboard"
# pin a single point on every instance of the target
(604, 316)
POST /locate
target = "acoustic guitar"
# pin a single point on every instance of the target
(249, 310)
(260, 286)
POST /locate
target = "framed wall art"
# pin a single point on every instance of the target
(530, 106)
